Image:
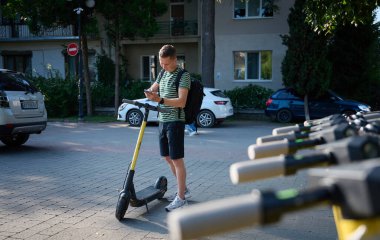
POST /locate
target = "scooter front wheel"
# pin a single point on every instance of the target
(122, 205)
(162, 185)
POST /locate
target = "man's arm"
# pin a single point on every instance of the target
(154, 87)
(179, 102)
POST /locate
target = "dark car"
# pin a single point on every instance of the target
(285, 106)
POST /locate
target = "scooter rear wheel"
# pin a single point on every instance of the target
(162, 184)
(122, 205)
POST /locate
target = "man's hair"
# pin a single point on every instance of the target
(167, 51)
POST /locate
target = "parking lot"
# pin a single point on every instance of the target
(63, 184)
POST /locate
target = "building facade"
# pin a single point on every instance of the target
(248, 46)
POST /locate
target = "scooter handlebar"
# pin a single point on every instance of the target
(218, 216)
(283, 165)
(268, 149)
(248, 171)
(271, 138)
(370, 116)
(233, 213)
(146, 106)
(287, 129)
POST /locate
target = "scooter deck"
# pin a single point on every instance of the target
(146, 195)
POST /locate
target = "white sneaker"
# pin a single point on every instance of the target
(177, 203)
(192, 133)
(187, 195)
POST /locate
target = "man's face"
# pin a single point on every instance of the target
(169, 64)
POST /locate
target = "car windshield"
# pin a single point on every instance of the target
(12, 81)
(218, 93)
(285, 94)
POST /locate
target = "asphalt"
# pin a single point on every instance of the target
(63, 184)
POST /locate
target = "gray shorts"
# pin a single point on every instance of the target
(171, 138)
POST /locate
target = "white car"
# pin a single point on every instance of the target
(22, 108)
(215, 108)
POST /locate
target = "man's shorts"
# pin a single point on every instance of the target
(171, 138)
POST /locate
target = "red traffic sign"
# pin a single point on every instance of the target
(72, 49)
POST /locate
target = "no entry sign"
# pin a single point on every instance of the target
(72, 49)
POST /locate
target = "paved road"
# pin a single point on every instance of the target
(63, 183)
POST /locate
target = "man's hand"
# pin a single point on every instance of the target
(152, 96)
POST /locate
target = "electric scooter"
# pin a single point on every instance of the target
(128, 195)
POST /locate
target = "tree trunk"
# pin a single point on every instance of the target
(117, 71)
(306, 107)
(208, 42)
(86, 75)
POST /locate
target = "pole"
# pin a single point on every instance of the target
(80, 65)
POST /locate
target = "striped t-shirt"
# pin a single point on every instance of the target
(168, 89)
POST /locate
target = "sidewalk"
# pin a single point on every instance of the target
(64, 183)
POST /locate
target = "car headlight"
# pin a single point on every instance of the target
(364, 108)
(122, 106)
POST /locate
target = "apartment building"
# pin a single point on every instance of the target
(248, 46)
(43, 54)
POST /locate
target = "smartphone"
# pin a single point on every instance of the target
(147, 91)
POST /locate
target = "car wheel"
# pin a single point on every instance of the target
(15, 140)
(284, 116)
(349, 112)
(134, 117)
(205, 119)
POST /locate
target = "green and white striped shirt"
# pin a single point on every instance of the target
(168, 89)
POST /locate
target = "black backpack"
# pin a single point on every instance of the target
(194, 98)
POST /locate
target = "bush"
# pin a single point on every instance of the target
(134, 89)
(251, 96)
(103, 95)
(61, 95)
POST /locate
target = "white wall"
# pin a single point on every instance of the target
(224, 65)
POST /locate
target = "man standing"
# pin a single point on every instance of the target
(171, 125)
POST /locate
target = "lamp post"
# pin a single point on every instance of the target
(78, 11)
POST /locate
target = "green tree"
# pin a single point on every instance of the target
(326, 15)
(42, 14)
(128, 20)
(305, 67)
(355, 57)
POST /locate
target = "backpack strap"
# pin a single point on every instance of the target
(160, 74)
(177, 80)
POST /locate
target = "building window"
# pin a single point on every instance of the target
(181, 61)
(147, 63)
(18, 61)
(253, 65)
(71, 65)
(253, 8)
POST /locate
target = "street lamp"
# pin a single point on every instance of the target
(78, 11)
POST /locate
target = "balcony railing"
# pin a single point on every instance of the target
(13, 32)
(22, 32)
(177, 28)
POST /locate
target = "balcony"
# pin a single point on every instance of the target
(177, 29)
(22, 33)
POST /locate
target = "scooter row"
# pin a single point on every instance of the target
(342, 158)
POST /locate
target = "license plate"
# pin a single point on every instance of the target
(29, 105)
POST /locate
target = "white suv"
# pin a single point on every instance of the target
(22, 108)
